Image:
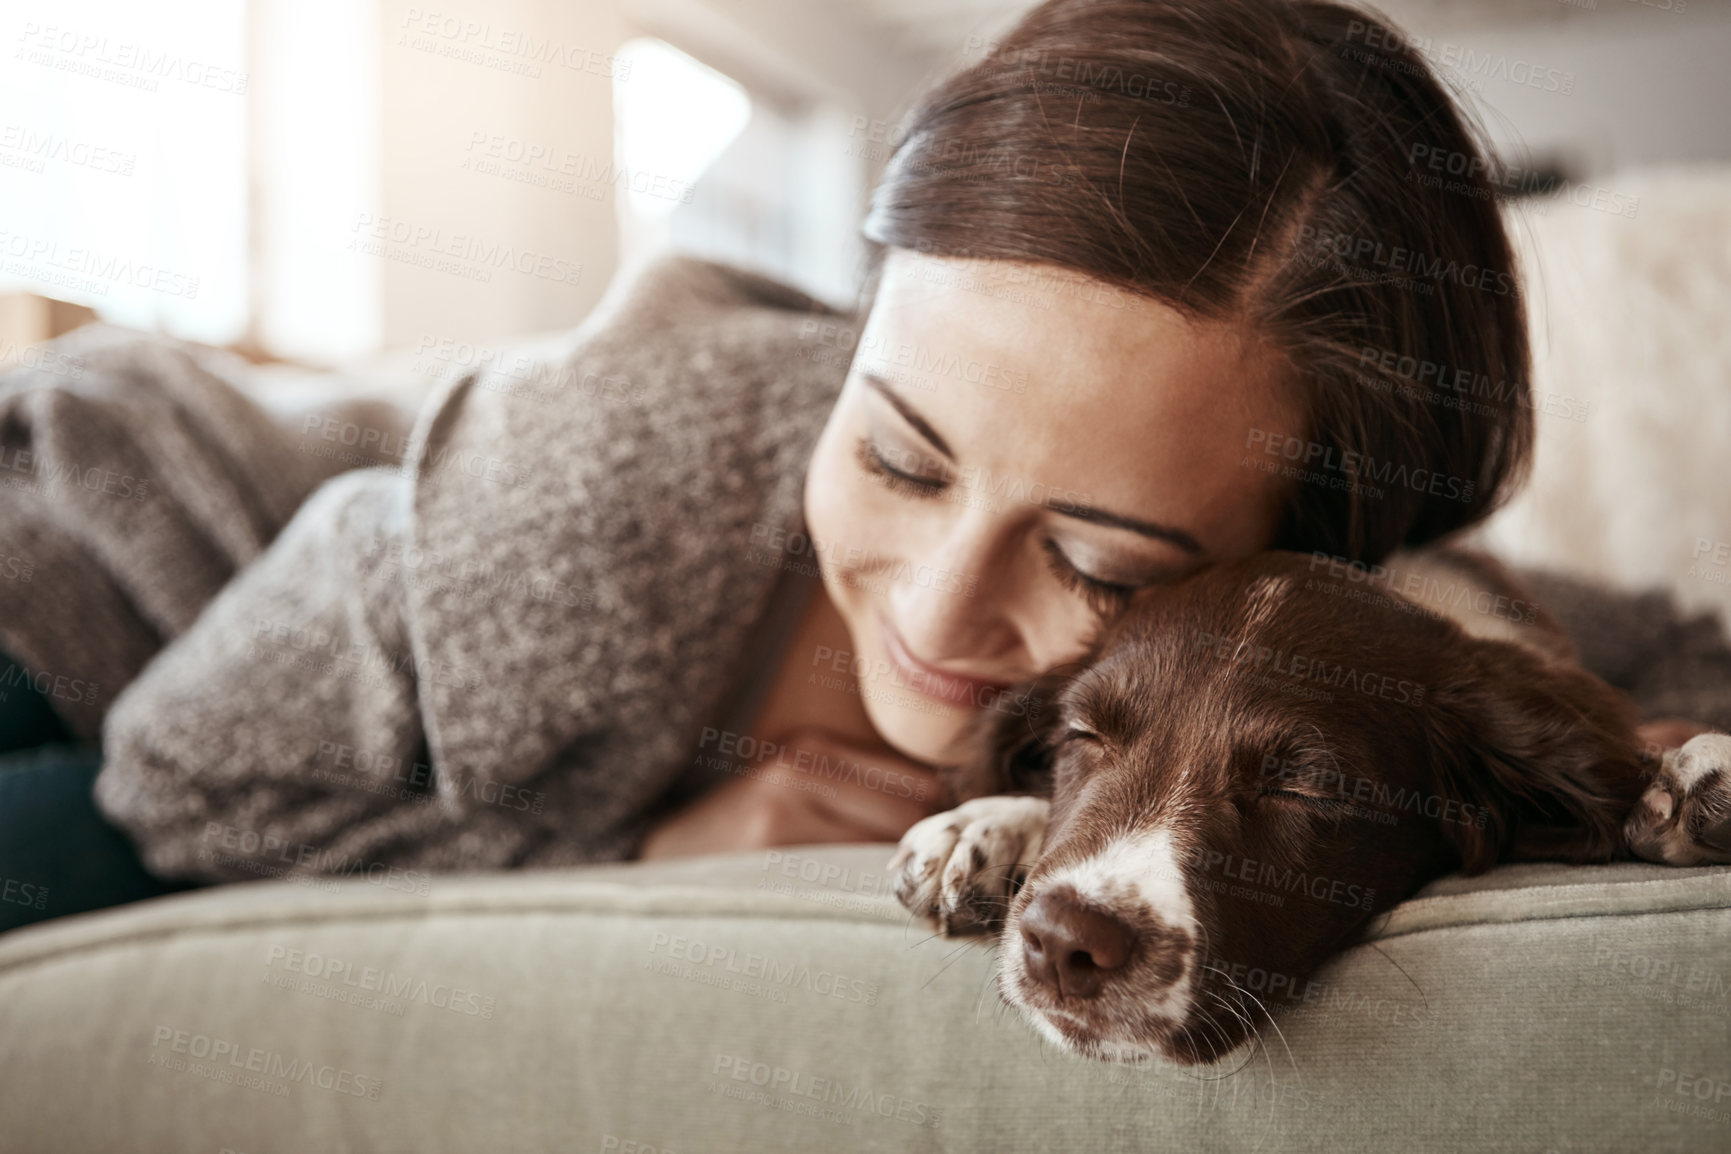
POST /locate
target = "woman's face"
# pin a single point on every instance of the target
(1008, 459)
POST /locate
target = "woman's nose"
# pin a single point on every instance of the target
(955, 601)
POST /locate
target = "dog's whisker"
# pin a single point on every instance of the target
(953, 957)
(1268, 1017)
(1403, 973)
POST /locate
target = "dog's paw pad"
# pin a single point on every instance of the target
(1684, 818)
(958, 870)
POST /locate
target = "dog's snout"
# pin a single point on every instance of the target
(1070, 947)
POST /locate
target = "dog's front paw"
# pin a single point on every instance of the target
(958, 870)
(1684, 818)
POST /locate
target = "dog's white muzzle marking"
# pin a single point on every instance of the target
(1138, 876)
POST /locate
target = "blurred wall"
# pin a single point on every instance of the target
(496, 128)
(1614, 86)
(426, 175)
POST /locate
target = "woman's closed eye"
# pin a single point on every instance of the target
(924, 477)
(1104, 597)
(887, 467)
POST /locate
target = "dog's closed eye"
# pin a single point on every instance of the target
(1322, 803)
(1078, 731)
(1312, 778)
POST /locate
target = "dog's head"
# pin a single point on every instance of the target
(1248, 767)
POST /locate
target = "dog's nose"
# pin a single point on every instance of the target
(1070, 947)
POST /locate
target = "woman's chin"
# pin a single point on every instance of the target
(917, 727)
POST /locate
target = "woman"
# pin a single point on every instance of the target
(1149, 202)
(1147, 278)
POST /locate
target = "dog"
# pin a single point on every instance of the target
(1250, 764)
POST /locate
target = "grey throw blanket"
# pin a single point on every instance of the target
(135, 480)
(503, 652)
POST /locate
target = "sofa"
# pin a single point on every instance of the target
(783, 1000)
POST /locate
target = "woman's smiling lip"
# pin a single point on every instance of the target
(951, 688)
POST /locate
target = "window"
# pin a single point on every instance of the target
(719, 173)
(123, 181)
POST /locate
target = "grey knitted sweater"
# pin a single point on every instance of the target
(501, 653)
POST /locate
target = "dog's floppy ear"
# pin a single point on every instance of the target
(1546, 751)
(1008, 746)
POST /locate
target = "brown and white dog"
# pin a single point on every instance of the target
(1250, 764)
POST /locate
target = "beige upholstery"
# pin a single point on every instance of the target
(783, 1002)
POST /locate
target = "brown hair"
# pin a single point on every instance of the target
(1297, 166)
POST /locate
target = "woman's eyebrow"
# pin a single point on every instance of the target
(906, 410)
(1088, 513)
(1178, 537)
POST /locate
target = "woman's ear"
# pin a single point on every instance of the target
(1547, 751)
(1009, 744)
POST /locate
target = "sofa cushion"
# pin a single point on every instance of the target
(784, 1001)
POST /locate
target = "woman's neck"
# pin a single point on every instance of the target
(807, 691)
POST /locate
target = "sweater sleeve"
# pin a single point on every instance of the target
(281, 734)
(504, 654)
